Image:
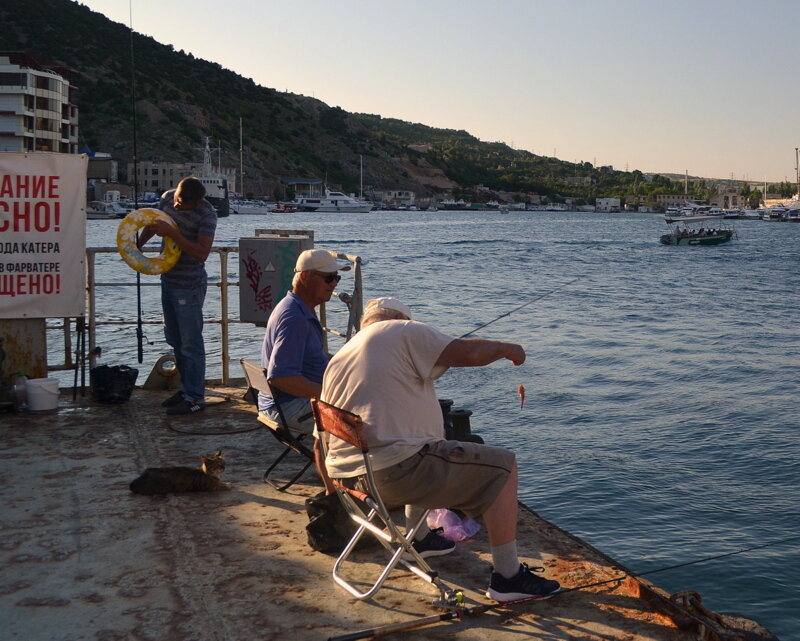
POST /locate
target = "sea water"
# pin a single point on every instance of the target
(661, 416)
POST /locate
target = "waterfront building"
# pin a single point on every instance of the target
(672, 200)
(607, 204)
(729, 199)
(397, 197)
(37, 106)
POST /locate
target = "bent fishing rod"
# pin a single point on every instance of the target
(508, 313)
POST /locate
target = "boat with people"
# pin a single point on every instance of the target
(697, 230)
(332, 202)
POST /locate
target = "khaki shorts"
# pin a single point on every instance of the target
(452, 474)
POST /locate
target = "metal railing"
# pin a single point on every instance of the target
(91, 322)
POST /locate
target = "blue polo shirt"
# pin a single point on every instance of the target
(292, 346)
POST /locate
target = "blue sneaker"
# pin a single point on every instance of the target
(524, 585)
(434, 544)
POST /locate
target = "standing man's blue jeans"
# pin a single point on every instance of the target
(183, 329)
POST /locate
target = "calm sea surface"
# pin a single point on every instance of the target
(661, 421)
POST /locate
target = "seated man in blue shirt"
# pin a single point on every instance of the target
(292, 352)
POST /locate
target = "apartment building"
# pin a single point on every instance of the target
(37, 110)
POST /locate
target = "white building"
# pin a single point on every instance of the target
(394, 196)
(607, 204)
(37, 112)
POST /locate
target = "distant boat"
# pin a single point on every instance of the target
(215, 183)
(332, 202)
(690, 231)
(252, 207)
(776, 213)
(452, 205)
(99, 210)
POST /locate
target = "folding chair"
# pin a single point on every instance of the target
(368, 510)
(290, 438)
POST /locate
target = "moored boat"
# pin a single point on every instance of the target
(332, 202)
(251, 207)
(215, 183)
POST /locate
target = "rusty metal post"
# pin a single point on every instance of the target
(25, 347)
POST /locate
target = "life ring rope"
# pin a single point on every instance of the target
(133, 256)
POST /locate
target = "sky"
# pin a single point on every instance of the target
(705, 86)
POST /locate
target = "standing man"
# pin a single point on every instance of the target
(292, 352)
(386, 375)
(183, 288)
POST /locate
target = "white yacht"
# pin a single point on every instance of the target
(332, 201)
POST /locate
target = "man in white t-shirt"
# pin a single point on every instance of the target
(386, 375)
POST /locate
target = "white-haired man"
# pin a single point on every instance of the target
(386, 375)
(293, 350)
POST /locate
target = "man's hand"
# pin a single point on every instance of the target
(515, 353)
(162, 228)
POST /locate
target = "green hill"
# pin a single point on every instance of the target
(181, 99)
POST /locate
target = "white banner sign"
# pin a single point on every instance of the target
(42, 235)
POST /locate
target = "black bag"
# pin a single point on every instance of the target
(329, 526)
(112, 384)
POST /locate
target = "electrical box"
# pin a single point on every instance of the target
(266, 269)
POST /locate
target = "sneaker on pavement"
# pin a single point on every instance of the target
(186, 407)
(525, 584)
(434, 544)
(176, 398)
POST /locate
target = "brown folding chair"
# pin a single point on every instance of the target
(368, 510)
(290, 438)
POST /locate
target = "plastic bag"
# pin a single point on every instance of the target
(453, 526)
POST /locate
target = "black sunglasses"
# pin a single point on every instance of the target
(329, 278)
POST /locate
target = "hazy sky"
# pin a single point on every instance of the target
(708, 86)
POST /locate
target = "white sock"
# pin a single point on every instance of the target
(412, 516)
(505, 559)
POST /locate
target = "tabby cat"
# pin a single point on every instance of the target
(166, 480)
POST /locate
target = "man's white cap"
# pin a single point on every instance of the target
(318, 260)
(387, 302)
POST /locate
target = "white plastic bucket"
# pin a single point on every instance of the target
(42, 394)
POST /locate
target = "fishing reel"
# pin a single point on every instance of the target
(450, 600)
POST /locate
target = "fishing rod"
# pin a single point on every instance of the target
(508, 313)
(476, 610)
(139, 323)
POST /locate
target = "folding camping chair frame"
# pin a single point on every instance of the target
(291, 439)
(376, 518)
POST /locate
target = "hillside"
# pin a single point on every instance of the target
(180, 99)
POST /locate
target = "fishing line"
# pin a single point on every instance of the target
(508, 313)
(461, 612)
(139, 328)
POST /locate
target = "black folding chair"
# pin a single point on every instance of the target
(290, 437)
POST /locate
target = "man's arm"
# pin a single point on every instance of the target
(297, 386)
(198, 250)
(319, 459)
(475, 352)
